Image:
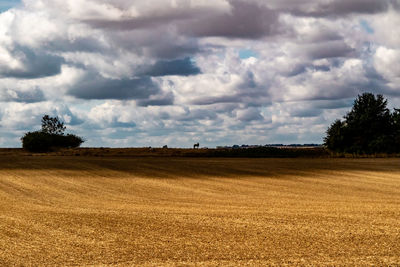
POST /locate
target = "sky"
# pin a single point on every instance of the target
(176, 72)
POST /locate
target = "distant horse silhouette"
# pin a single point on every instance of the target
(196, 146)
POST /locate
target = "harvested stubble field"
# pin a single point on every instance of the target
(77, 211)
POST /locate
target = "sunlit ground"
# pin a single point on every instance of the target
(184, 211)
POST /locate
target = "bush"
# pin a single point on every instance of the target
(36, 141)
(43, 142)
(66, 141)
(50, 138)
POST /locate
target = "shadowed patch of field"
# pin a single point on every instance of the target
(198, 211)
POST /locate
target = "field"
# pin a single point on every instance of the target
(168, 211)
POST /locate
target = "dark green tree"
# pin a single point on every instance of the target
(396, 127)
(368, 128)
(335, 136)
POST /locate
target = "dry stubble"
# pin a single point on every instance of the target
(183, 211)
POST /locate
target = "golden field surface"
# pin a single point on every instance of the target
(166, 211)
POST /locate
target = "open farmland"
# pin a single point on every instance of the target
(84, 210)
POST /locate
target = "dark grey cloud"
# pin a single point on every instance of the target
(181, 67)
(97, 87)
(251, 114)
(32, 95)
(296, 70)
(251, 93)
(215, 100)
(306, 112)
(159, 43)
(36, 64)
(246, 20)
(336, 8)
(315, 108)
(302, 68)
(168, 49)
(343, 7)
(324, 35)
(159, 18)
(333, 104)
(321, 68)
(375, 83)
(395, 4)
(330, 50)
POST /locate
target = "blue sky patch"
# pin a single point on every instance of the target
(7, 4)
(247, 53)
(367, 27)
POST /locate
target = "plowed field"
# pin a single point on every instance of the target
(77, 211)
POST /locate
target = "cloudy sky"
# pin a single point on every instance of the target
(220, 72)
